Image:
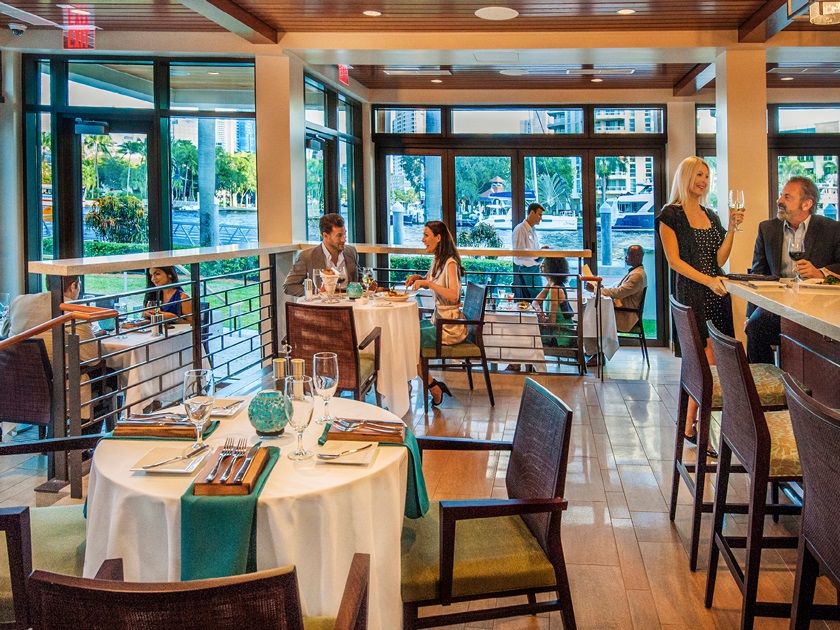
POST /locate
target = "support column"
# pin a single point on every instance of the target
(741, 104)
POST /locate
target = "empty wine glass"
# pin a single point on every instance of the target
(736, 203)
(122, 310)
(796, 251)
(299, 391)
(4, 305)
(325, 379)
(318, 282)
(199, 396)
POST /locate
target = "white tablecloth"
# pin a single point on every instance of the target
(400, 346)
(609, 332)
(310, 514)
(513, 337)
(159, 362)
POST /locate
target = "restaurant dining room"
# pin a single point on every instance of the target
(400, 315)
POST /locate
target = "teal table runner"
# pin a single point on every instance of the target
(416, 498)
(219, 533)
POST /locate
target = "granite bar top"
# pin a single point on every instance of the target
(818, 310)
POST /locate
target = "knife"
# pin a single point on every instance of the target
(189, 455)
(249, 459)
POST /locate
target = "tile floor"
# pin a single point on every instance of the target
(627, 563)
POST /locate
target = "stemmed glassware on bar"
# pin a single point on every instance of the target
(367, 277)
(318, 283)
(199, 396)
(299, 391)
(796, 251)
(736, 203)
(325, 379)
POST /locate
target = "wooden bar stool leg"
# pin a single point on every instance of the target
(721, 487)
(807, 571)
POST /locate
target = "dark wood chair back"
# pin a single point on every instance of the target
(742, 422)
(474, 303)
(695, 373)
(26, 383)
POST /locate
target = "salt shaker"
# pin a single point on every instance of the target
(308, 290)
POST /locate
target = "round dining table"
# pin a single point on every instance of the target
(400, 344)
(312, 514)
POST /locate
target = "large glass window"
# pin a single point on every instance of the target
(407, 121)
(483, 196)
(809, 120)
(627, 120)
(822, 169)
(214, 87)
(413, 184)
(314, 186)
(124, 85)
(517, 121)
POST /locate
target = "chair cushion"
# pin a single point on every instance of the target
(768, 384)
(58, 545)
(463, 350)
(491, 555)
(318, 623)
(784, 456)
(367, 365)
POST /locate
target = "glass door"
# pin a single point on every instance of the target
(413, 194)
(822, 169)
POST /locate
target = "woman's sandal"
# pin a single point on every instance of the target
(444, 389)
(692, 439)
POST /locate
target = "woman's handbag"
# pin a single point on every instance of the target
(450, 334)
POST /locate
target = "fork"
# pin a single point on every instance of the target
(227, 450)
(238, 451)
(375, 429)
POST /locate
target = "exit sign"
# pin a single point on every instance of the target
(344, 74)
(79, 31)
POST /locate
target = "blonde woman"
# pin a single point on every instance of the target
(696, 246)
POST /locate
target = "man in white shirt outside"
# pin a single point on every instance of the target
(526, 271)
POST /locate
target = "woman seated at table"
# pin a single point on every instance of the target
(552, 305)
(444, 280)
(175, 305)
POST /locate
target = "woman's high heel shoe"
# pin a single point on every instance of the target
(444, 389)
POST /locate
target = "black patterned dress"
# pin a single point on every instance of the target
(699, 247)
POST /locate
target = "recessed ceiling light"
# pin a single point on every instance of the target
(437, 80)
(179, 73)
(597, 80)
(372, 13)
(787, 78)
(626, 11)
(496, 14)
(513, 72)
(214, 73)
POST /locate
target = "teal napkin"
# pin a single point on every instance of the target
(416, 498)
(208, 431)
(219, 533)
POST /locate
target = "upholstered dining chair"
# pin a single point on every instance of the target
(817, 432)
(700, 381)
(638, 330)
(26, 385)
(311, 328)
(484, 549)
(50, 538)
(265, 599)
(471, 349)
(765, 445)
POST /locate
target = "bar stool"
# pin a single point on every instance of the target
(817, 431)
(700, 381)
(764, 443)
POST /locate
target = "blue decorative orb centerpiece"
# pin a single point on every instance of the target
(354, 290)
(269, 413)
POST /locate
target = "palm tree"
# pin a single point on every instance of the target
(606, 166)
(97, 144)
(129, 148)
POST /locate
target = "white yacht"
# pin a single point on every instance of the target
(550, 222)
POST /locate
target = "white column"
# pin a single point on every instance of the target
(12, 245)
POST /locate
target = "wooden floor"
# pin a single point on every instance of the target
(627, 562)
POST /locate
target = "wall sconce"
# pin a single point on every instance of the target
(824, 13)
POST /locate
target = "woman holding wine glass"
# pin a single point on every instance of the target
(696, 246)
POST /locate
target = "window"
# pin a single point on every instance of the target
(611, 120)
(516, 121)
(706, 121)
(212, 87)
(123, 85)
(407, 121)
(809, 120)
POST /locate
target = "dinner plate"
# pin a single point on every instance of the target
(224, 402)
(816, 284)
(362, 458)
(178, 467)
(397, 298)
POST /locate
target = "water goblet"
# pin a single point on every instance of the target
(318, 282)
(796, 251)
(325, 379)
(367, 277)
(736, 203)
(122, 310)
(199, 396)
(299, 391)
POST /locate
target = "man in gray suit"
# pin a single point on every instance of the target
(332, 253)
(796, 220)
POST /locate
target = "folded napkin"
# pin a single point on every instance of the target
(219, 532)
(416, 498)
(156, 432)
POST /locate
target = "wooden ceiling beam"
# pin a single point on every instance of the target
(695, 79)
(235, 19)
(771, 18)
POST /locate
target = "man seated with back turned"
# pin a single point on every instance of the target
(796, 220)
(332, 253)
(628, 292)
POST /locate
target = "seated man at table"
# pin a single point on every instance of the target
(628, 292)
(332, 253)
(796, 220)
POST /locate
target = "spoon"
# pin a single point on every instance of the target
(347, 452)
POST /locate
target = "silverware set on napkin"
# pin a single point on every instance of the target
(349, 426)
(234, 452)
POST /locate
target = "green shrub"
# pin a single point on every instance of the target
(482, 235)
(104, 248)
(481, 270)
(119, 219)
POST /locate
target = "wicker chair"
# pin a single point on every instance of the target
(638, 330)
(26, 385)
(817, 431)
(311, 329)
(700, 381)
(764, 443)
(266, 599)
(50, 538)
(505, 547)
(471, 349)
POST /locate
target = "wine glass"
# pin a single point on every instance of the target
(796, 251)
(299, 391)
(318, 282)
(4, 305)
(122, 312)
(199, 396)
(736, 203)
(325, 370)
(367, 277)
